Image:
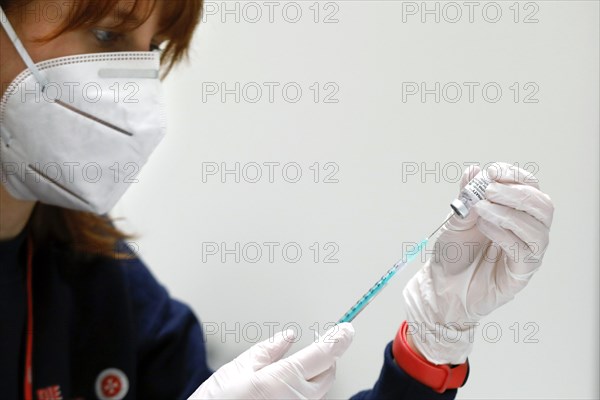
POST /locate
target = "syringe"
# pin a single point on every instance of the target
(383, 281)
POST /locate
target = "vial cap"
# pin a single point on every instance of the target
(459, 208)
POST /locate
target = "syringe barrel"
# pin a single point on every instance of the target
(473, 192)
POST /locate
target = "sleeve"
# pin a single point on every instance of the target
(171, 351)
(394, 383)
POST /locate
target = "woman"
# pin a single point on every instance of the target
(82, 317)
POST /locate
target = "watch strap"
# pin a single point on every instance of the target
(438, 377)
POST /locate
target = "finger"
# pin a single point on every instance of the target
(268, 351)
(524, 198)
(508, 173)
(284, 380)
(322, 383)
(518, 262)
(524, 226)
(321, 355)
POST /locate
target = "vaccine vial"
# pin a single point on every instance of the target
(471, 194)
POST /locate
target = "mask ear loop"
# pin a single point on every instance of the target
(12, 35)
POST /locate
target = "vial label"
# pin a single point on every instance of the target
(474, 191)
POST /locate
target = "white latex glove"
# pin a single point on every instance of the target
(500, 245)
(260, 373)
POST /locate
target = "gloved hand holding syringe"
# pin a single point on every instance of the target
(471, 194)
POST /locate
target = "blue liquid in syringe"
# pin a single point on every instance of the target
(380, 284)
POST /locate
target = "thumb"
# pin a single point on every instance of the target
(266, 352)
(322, 354)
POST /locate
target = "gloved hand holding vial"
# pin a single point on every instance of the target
(503, 205)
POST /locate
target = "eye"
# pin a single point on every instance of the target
(104, 36)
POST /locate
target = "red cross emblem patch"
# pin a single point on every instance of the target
(112, 384)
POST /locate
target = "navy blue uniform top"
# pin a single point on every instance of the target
(13, 303)
(104, 328)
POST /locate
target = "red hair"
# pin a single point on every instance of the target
(84, 232)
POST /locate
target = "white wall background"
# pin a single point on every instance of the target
(371, 134)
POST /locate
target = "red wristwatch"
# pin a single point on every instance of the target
(438, 377)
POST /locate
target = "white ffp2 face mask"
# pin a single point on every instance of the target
(75, 131)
